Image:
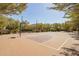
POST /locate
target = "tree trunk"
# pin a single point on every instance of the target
(20, 30)
(77, 37)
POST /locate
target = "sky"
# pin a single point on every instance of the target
(41, 13)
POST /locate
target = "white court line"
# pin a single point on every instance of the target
(52, 47)
(59, 46)
(63, 44)
(44, 45)
(47, 46)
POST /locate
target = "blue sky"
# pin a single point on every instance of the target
(41, 13)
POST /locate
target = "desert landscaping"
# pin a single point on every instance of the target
(39, 29)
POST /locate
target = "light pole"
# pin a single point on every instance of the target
(36, 25)
(20, 26)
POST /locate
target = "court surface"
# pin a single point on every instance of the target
(53, 40)
(43, 43)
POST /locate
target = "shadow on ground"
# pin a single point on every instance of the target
(74, 50)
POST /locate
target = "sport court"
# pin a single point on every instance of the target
(42, 43)
(53, 40)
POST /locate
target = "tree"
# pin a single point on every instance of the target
(71, 11)
(67, 26)
(8, 24)
(56, 27)
(3, 22)
(24, 25)
(13, 25)
(12, 8)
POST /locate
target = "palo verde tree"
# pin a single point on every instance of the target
(12, 8)
(71, 11)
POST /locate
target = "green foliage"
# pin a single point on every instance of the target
(8, 24)
(9, 9)
(13, 26)
(56, 27)
(67, 26)
(12, 8)
(71, 11)
(39, 27)
(3, 22)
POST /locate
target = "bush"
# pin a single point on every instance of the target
(6, 31)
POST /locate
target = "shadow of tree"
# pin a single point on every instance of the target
(72, 51)
(12, 37)
(74, 35)
(76, 44)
